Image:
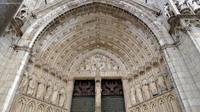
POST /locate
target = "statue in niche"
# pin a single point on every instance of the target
(32, 87)
(145, 89)
(161, 83)
(168, 11)
(133, 95)
(49, 92)
(62, 97)
(41, 89)
(139, 92)
(24, 83)
(169, 81)
(55, 95)
(153, 87)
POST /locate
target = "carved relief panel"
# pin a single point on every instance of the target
(98, 61)
(40, 84)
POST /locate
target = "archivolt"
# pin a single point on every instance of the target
(97, 26)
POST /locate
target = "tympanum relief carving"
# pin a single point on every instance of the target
(104, 63)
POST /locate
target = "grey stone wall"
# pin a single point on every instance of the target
(8, 8)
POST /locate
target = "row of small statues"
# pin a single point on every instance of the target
(182, 5)
(42, 91)
(149, 89)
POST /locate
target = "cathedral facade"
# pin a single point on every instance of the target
(101, 56)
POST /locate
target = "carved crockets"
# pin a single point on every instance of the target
(168, 12)
(22, 16)
(194, 4)
(185, 6)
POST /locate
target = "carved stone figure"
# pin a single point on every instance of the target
(23, 84)
(55, 95)
(41, 89)
(98, 61)
(153, 87)
(145, 89)
(139, 93)
(98, 96)
(32, 87)
(133, 96)
(168, 12)
(62, 97)
(49, 92)
(161, 83)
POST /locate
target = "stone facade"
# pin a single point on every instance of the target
(151, 46)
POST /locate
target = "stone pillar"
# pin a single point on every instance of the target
(126, 90)
(70, 88)
(98, 94)
(184, 82)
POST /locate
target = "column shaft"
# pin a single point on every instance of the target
(126, 94)
(70, 87)
(98, 96)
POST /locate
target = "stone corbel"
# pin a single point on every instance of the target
(21, 48)
(65, 77)
(172, 45)
(147, 65)
(135, 73)
(38, 63)
(53, 71)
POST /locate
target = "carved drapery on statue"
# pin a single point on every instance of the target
(40, 86)
(84, 88)
(112, 87)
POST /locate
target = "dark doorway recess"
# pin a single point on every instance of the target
(83, 96)
(112, 96)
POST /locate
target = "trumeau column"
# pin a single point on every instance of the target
(70, 87)
(98, 94)
(126, 90)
